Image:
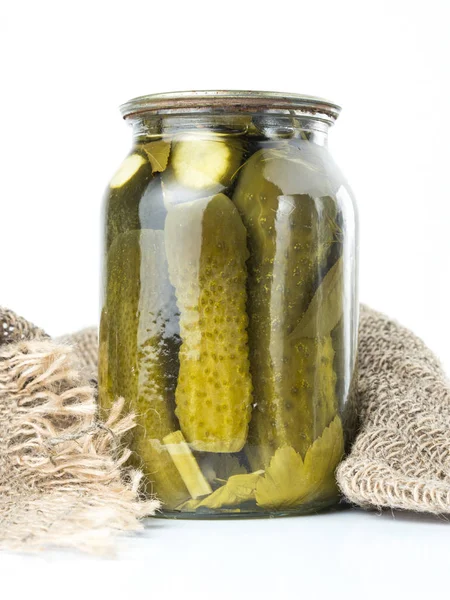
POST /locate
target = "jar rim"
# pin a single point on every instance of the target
(231, 100)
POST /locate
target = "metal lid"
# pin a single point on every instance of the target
(231, 100)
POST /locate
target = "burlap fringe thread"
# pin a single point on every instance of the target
(62, 481)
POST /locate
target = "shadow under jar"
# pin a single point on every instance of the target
(229, 309)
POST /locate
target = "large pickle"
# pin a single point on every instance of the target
(207, 252)
(140, 328)
(290, 236)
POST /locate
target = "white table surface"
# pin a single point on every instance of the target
(346, 554)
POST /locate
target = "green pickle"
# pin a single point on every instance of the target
(224, 318)
(139, 326)
(134, 197)
(207, 252)
(290, 236)
(125, 188)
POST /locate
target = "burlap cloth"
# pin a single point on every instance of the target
(62, 480)
(401, 455)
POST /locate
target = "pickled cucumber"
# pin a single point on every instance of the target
(206, 251)
(305, 403)
(140, 328)
(202, 164)
(123, 195)
(134, 197)
(201, 167)
(290, 235)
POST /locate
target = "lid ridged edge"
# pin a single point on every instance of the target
(238, 100)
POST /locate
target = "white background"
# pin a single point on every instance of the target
(335, 556)
(65, 68)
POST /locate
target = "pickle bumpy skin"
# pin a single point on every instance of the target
(139, 333)
(289, 236)
(305, 403)
(206, 251)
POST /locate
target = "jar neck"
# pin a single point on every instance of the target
(270, 126)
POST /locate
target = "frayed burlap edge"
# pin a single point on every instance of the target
(62, 481)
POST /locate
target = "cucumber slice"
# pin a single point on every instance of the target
(127, 169)
(206, 164)
(206, 251)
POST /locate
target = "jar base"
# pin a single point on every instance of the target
(330, 505)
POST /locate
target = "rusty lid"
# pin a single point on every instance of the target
(232, 101)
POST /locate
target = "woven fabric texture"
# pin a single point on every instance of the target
(401, 455)
(14, 328)
(62, 479)
(85, 346)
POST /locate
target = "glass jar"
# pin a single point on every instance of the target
(229, 308)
